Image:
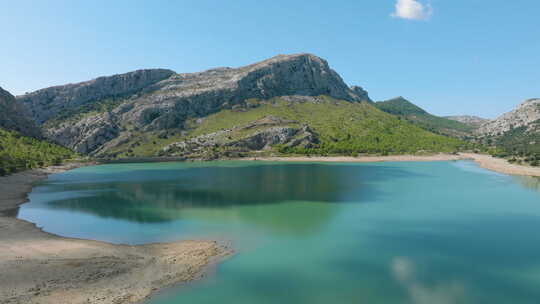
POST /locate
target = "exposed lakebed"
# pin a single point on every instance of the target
(410, 232)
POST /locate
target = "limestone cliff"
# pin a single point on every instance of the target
(525, 114)
(87, 116)
(46, 103)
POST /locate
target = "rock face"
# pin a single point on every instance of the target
(361, 93)
(255, 136)
(526, 113)
(473, 121)
(153, 100)
(46, 103)
(199, 94)
(14, 116)
(87, 134)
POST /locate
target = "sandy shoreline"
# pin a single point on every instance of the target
(38, 267)
(501, 165)
(484, 161)
(362, 159)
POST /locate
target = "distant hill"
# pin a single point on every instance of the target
(526, 113)
(516, 132)
(473, 121)
(405, 109)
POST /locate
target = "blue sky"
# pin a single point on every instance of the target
(477, 57)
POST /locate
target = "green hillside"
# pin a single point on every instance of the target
(401, 107)
(519, 144)
(342, 128)
(19, 152)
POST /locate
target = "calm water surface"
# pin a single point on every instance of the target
(419, 233)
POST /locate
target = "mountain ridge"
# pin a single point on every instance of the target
(516, 133)
(471, 120)
(169, 99)
(524, 114)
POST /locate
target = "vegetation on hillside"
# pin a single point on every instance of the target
(18, 153)
(416, 115)
(520, 145)
(343, 128)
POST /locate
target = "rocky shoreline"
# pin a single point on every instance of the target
(39, 267)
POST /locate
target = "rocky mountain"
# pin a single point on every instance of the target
(14, 116)
(405, 109)
(361, 93)
(97, 115)
(286, 104)
(300, 125)
(526, 113)
(473, 121)
(517, 132)
(48, 103)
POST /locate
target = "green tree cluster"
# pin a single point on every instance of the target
(18, 153)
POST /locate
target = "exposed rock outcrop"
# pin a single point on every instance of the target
(287, 136)
(86, 135)
(155, 100)
(265, 133)
(525, 114)
(14, 116)
(361, 93)
(199, 94)
(46, 103)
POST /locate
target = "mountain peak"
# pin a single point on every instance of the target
(524, 114)
(282, 75)
(400, 106)
(162, 100)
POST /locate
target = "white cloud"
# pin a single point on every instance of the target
(412, 10)
(450, 292)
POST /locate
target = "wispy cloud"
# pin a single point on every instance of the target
(412, 10)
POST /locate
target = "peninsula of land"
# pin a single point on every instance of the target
(38, 267)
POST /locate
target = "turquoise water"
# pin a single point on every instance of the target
(419, 233)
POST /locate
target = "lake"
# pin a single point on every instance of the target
(408, 232)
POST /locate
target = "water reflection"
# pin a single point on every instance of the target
(404, 271)
(407, 233)
(529, 182)
(169, 194)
